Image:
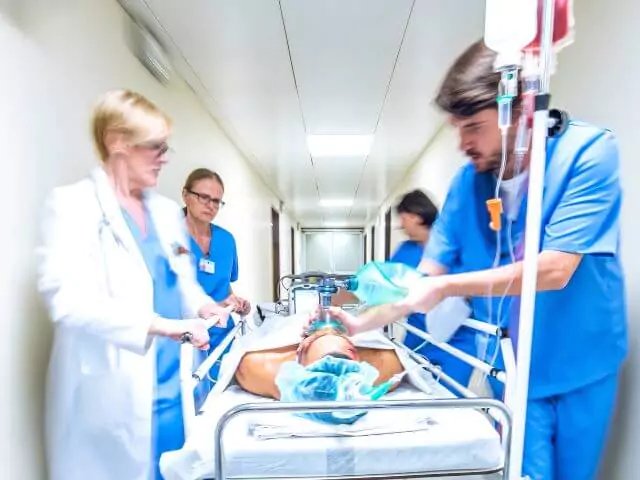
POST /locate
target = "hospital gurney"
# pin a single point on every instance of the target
(413, 434)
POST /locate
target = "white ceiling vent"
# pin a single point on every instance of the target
(148, 50)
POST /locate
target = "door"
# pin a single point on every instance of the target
(333, 251)
(364, 249)
(293, 251)
(275, 252)
(373, 243)
(387, 235)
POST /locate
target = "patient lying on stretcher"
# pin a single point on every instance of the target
(258, 370)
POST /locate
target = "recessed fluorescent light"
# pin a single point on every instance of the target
(336, 203)
(339, 145)
(335, 225)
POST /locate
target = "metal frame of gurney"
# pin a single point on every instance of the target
(498, 411)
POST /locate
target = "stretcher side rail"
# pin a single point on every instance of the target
(465, 357)
(306, 407)
(190, 379)
(508, 376)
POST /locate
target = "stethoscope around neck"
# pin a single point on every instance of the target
(105, 223)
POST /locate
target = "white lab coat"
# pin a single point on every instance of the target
(99, 295)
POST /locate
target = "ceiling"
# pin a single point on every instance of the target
(272, 72)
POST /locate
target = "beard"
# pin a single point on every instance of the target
(485, 163)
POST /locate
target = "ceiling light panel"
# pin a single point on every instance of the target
(339, 145)
(336, 203)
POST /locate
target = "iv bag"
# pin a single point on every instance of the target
(510, 25)
(563, 26)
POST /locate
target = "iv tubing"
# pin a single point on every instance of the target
(531, 251)
(517, 170)
(496, 261)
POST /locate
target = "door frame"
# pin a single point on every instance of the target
(373, 243)
(293, 251)
(387, 235)
(275, 252)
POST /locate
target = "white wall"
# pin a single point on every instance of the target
(55, 61)
(432, 173)
(596, 81)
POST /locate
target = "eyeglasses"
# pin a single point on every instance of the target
(206, 199)
(160, 148)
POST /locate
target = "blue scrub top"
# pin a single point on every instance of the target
(167, 302)
(410, 253)
(580, 332)
(224, 256)
(167, 422)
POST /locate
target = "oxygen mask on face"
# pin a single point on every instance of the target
(325, 323)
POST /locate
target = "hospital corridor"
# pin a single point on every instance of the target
(320, 239)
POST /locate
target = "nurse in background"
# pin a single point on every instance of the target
(213, 248)
(417, 215)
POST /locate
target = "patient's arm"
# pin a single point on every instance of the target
(257, 370)
(385, 361)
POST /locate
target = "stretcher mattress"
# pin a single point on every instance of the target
(455, 439)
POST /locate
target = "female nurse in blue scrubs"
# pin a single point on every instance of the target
(580, 326)
(213, 248)
(417, 214)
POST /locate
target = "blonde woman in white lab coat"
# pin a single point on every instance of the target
(118, 280)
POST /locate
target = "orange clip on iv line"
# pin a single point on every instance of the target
(494, 206)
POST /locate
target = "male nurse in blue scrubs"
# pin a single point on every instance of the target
(580, 326)
(417, 214)
(213, 248)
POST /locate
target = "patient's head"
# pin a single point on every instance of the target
(323, 343)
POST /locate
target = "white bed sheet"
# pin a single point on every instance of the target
(459, 440)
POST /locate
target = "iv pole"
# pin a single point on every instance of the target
(532, 239)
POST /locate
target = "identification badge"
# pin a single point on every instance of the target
(207, 266)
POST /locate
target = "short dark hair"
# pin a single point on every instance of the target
(419, 203)
(471, 84)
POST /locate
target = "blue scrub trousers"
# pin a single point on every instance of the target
(566, 434)
(168, 421)
(168, 434)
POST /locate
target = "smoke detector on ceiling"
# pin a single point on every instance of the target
(150, 52)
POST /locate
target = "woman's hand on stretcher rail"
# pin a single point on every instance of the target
(216, 315)
(197, 330)
(240, 305)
